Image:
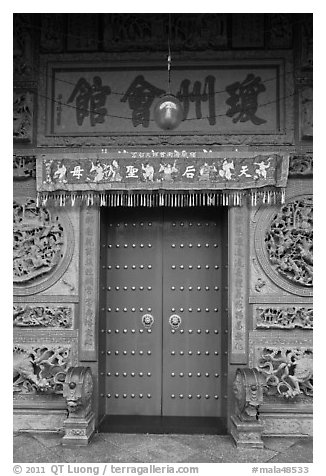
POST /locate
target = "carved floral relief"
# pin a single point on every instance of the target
(40, 368)
(289, 242)
(38, 242)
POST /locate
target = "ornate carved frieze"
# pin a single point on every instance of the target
(23, 116)
(288, 371)
(24, 167)
(289, 241)
(40, 368)
(43, 246)
(283, 317)
(301, 165)
(42, 316)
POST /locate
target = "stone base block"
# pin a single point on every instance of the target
(41, 420)
(78, 431)
(287, 424)
(246, 434)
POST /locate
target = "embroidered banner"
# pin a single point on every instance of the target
(80, 174)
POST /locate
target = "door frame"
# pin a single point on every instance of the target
(236, 308)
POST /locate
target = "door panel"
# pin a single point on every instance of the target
(163, 262)
(192, 290)
(134, 288)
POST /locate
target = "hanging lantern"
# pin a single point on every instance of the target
(168, 112)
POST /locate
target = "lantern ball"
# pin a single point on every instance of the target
(168, 112)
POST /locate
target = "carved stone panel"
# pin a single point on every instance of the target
(283, 317)
(40, 362)
(283, 244)
(23, 116)
(286, 361)
(43, 246)
(40, 316)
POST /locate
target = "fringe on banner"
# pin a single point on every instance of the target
(189, 198)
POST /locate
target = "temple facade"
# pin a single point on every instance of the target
(158, 265)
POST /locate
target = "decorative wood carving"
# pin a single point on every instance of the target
(43, 246)
(289, 241)
(42, 316)
(269, 317)
(23, 116)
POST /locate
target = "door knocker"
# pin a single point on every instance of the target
(147, 320)
(175, 321)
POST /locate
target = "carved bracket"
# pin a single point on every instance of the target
(78, 390)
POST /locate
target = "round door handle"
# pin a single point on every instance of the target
(175, 321)
(147, 320)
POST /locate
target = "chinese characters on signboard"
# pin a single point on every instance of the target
(95, 101)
